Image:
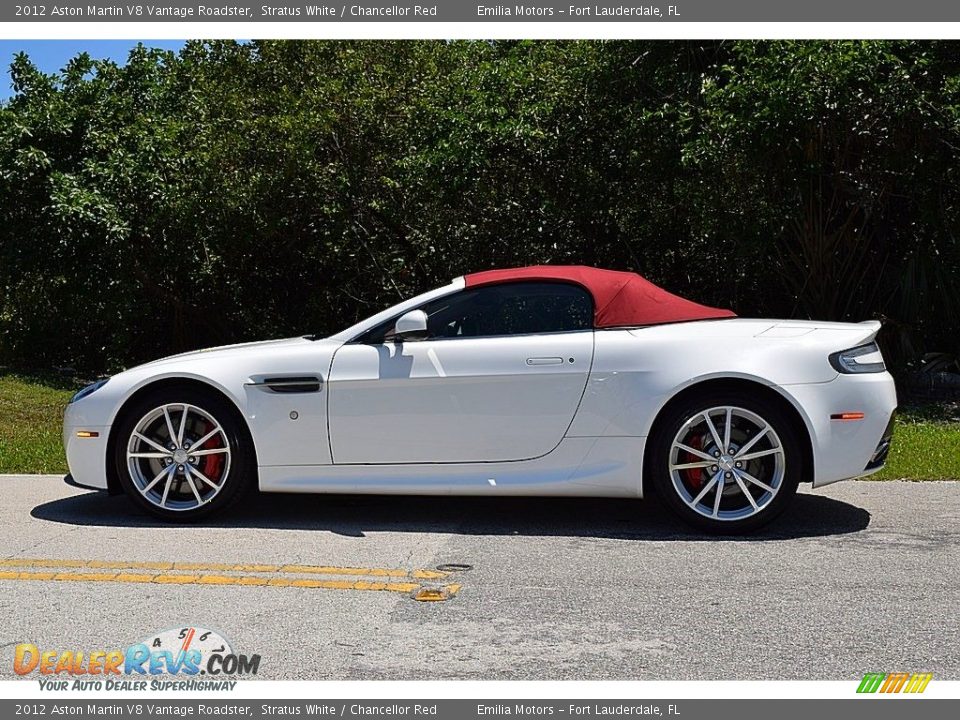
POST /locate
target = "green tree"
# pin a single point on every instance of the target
(237, 191)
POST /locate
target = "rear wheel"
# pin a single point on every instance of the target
(725, 462)
(182, 454)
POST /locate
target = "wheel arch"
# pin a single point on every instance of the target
(176, 381)
(795, 416)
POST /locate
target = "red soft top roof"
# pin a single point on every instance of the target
(620, 299)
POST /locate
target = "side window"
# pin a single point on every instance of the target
(519, 308)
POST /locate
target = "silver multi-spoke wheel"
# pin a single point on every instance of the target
(727, 463)
(178, 457)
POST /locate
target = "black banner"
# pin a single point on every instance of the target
(874, 708)
(482, 11)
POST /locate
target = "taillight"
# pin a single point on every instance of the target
(861, 359)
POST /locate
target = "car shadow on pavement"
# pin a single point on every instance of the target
(354, 515)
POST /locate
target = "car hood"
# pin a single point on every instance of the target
(232, 351)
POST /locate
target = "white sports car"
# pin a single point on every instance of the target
(550, 380)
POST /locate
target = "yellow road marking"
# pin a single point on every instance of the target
(343, 584)
(324, 570)
(436, 594)
(176, 579)
(88, 577)
(226, 567)
(133, 578)
(176, 573)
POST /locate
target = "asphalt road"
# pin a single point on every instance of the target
(858, 577)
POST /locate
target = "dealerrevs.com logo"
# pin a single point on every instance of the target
(196, 659)
(896, 682)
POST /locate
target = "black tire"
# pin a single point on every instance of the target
(239, 476)
(670, 486)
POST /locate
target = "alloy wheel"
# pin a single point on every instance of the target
(178, 457)
(727, 463)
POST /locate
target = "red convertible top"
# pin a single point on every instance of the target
(620, 299)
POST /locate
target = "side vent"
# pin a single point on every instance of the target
(305, 384)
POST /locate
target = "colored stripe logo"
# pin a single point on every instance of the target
(895, 682)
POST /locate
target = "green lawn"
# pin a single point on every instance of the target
(926, 444)
(31, 411)
(923, 449)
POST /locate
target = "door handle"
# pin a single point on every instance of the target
(545, 361)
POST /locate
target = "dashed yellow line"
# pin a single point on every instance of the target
(177, 573)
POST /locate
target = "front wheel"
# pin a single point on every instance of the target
(726, 463)
(182, 454)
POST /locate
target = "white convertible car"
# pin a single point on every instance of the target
(551, 380)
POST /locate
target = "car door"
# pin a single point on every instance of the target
(498, 378)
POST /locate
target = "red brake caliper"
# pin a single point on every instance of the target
(694, 475)
(211, 465)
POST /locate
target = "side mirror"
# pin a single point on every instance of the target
(411, 326)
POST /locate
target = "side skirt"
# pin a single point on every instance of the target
(585, 467)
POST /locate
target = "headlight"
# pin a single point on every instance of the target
(91, 388)
(861, 359)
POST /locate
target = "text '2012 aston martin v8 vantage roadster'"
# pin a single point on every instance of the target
(546, 381)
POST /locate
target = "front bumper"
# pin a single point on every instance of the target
(86, 456)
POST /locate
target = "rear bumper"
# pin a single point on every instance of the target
(845, 449)
(879, 457)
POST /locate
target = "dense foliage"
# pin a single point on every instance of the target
(238, 191)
